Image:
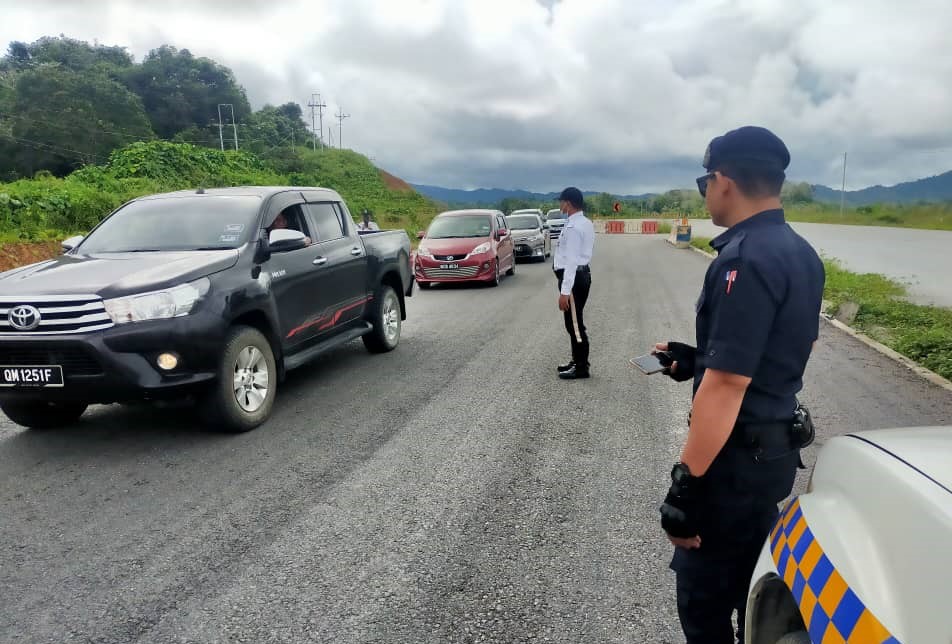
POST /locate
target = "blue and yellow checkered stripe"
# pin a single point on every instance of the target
(832, 612)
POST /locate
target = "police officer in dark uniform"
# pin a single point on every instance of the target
(757, 322)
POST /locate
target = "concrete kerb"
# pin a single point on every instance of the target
(913, 366)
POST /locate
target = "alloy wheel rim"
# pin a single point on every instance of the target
(252, 380)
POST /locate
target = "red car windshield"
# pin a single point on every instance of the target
(461, 226)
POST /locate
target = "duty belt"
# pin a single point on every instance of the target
(578, 269)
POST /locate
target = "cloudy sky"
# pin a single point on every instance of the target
(616, 95)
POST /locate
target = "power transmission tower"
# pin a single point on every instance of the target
(340, 125)
(320, 117)
(234, 126)
(320, 105)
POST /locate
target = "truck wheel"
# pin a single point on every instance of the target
(385, 317)
(244, 391)
(800, 637)
(43, 415)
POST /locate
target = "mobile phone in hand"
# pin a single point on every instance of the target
(649, 363)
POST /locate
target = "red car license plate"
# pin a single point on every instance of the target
(448, 266)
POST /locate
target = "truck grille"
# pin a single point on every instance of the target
(52, 315)
(463, 271)
(75, 361)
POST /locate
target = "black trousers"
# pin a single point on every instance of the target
(738, 513)
(575, 317)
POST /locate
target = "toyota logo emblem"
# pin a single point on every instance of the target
(24, 317)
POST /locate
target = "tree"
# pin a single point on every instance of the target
(179, 90)
(77, 55)
(62, 119)
(275, 127)
(797, 193)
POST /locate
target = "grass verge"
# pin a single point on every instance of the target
(921, 333)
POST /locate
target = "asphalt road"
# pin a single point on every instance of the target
(451, 491)
(920, 259)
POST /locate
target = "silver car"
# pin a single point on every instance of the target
(530, 235)
(555, 220)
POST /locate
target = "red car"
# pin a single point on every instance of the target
(465, 246)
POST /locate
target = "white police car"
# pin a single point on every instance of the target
(865, 556)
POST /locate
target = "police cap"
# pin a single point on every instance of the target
(747, 146)
(573, 196)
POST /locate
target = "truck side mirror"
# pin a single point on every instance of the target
(263, 248)
(71, 243)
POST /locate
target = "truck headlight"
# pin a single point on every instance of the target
(158, 305)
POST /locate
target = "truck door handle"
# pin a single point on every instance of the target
(320, 261)
(355, 251)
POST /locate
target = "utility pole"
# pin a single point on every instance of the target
(221, 137)
(234, 126)
(340, 125)
(320, 117)
(843, 189)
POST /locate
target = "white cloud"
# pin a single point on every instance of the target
(606, 94)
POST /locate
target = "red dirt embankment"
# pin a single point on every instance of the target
(17, 254)
(395, 183)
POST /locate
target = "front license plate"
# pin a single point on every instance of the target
(43, 376)
(448, 266)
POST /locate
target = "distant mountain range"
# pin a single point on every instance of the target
(492, 196)
(937, 188)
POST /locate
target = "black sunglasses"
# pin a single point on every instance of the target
(702, 183)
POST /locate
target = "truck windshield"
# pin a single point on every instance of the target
(461, 226)
(208, 222)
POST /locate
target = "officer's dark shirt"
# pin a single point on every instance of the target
(758, 313)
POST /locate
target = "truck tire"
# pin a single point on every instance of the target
(385, 318)
(43, 415)
(245, 389)
(800, 637)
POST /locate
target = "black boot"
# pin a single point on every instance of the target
(575, 373)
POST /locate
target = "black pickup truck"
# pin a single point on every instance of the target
(207, 294)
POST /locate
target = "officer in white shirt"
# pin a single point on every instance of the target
(571, 265)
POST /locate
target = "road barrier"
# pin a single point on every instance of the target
(680, 233)
(649, 227)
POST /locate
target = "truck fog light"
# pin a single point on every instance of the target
(167, 361)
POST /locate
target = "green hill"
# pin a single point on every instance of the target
(47, 207)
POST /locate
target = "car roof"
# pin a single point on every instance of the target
(526, 211)
(475, 211)
(926, 449)
(262, 192)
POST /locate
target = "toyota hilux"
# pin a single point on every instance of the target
(211, 295)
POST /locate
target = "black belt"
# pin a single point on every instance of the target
(761, 435)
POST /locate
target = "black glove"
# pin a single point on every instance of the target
(679, 510)
(684, 355)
